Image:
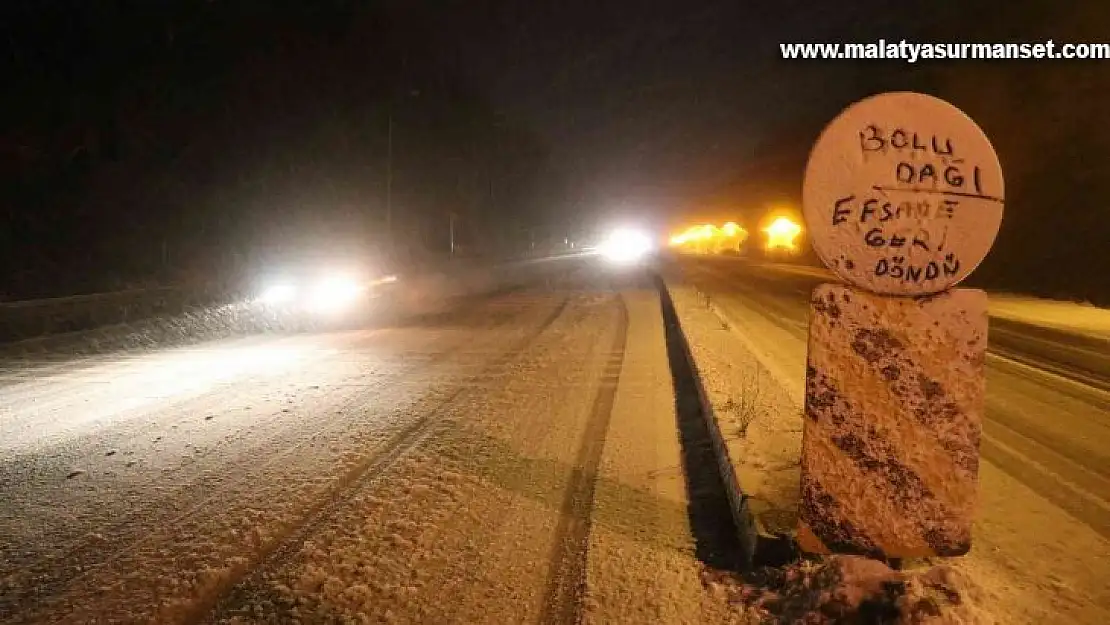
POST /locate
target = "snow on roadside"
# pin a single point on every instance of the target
(1082, 318)
(175, 330)
(1068, 316)
(852, 589)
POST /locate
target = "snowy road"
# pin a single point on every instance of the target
(513, 460)
(1042, 540)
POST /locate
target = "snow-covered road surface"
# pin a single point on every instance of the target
(1041, 546)
(514, 460)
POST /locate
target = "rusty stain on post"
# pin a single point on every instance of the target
(894, 401)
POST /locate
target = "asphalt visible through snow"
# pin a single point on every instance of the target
(1048, 390)
(503, 461)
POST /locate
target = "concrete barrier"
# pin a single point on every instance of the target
(738, 502)
(743, 416)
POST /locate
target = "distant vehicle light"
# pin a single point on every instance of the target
(333, 294)
(626, 246)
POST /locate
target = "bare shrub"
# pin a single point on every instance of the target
(746, 404)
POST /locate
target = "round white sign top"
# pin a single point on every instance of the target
(903, 194)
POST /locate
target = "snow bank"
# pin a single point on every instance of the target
(419, 294)
(1081, 318)
(188, 328)
(852, 589)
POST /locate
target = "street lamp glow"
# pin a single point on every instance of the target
(782, 234)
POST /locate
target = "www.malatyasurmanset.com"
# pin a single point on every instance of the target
(912, 52)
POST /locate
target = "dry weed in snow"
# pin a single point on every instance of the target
(853, 590)
(746, 404)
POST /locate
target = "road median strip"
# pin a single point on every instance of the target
(692, 326)
(755, 422)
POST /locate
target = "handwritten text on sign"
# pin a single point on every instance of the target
(915, 213)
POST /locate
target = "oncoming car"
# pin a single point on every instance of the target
(626, 246)
(305, 300)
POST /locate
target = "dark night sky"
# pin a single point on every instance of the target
(186, 134)
(652, 106)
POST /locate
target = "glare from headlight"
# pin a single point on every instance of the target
(278, 294)
(626, 246)
(334, 294)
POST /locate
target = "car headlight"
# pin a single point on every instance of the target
(334, 293)
(626, 246)
(277, 294)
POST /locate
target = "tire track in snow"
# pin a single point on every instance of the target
(29, 602)
(566, 582)
(233, 598)
(162, 510)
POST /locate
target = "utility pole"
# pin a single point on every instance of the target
(452, 229)
(389, 183)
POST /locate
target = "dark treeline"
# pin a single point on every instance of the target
(185, 139)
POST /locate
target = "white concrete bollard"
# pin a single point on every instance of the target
(903, 198)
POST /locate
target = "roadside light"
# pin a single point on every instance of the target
(692, 234)
(710, 239)
(781, 234)
(735, 231)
